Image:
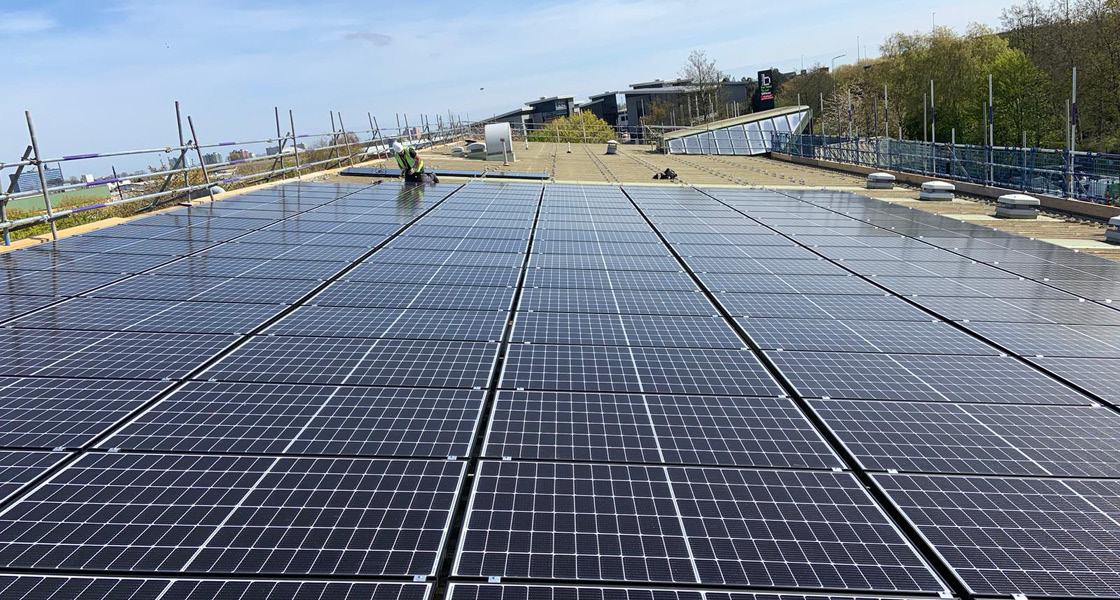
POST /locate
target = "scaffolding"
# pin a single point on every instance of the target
(288, 154)
(1089, 176)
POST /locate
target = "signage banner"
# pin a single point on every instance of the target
(765, 98)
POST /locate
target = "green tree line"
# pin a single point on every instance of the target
(1030, 63)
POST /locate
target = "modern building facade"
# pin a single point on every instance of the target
(536, 113)
(608, 106)
(549, 109)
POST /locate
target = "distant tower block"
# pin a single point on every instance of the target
(937, 191)
(1017, 206)
(880, 181)
(495, 134)
(1113, 233)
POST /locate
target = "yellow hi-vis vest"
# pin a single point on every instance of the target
(405, 161)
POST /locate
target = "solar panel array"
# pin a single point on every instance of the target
(517, 391)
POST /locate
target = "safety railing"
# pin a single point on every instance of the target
(577, 133)
(190, 169)
(1088, 176)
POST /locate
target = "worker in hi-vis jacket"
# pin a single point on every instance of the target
(411, 165)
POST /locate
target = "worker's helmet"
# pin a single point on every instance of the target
(397, 148)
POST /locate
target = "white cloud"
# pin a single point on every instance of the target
(377, 39)
(24, 23)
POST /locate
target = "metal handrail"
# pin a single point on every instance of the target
(343, 146)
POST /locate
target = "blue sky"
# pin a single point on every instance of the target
(103, 76)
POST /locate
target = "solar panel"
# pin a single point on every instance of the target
(800, 284)
(66, 413)
(32, 587)
(570, 368)
(162, 248)
(387, 295)
(1097, 375)
(326, 361)
(629, 523)
(924, 438)
(11, 306)
(436, 275)
(415, 256)
(604, 261)
(280, 470)
(256, 291)
(312, 238)
(484, 326)
(235, 515)
(790, 306)
(150, 287)
(408, 240)
(651, 280)
(509, 591)
(127, 355)
(655, 429)
(624, 330)
(51, 283)
(1004, 536)
(863, 336)
(584, 235)
(1067, 312)
(967, 288)
(925, 378)
(776, 528)
(198, 266)
(297, 419)
(596, 248)
(109, 263)
(619, 369)
(722, 264)
(112, 314)
(285, 252)
(638, 302)
(1101, 291)
(639, 539)
(209, 289)
(19, 467)
(703, 371)
(1036, 339)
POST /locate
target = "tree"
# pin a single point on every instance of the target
(1067, 34)
(707, 94)
(580, 127)
(1022, 90)
(706, 99)
(809, 87)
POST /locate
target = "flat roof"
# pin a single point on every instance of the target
(516, 111)
(661, 82)
(552, 99)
